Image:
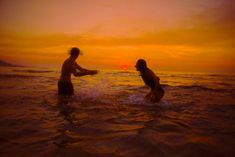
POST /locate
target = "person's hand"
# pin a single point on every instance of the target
(93, 72)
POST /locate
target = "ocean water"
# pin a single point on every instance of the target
(108, 117)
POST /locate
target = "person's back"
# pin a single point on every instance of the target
(149, 78)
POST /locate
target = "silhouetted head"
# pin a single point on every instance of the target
(141, 65)
(74, 52)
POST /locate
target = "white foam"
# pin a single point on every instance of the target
(138, 99)
(165, 104)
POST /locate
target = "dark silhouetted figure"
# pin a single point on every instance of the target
(151, 80)
(65, 86)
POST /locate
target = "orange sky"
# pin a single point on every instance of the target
(177, 35)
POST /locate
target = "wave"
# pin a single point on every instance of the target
(125, 72)
(15, 76)
(201, 87)
(198, 87)
(167, 86)
(34, 71)
(222, 75)
(224, 84)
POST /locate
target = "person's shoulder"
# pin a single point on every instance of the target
(68, 63)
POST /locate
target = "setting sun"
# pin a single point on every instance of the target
(125, 66)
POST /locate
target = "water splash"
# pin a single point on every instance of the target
(99, 91)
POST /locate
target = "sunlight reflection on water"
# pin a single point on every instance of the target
(108, 115)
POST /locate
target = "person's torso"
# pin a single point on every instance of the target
(66, 70)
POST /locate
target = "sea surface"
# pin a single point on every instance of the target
(108, 117)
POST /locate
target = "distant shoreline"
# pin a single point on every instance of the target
(7, 64)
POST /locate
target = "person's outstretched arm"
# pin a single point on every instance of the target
(82, 71)
(79, 67)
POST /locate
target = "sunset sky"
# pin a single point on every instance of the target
(176, 35)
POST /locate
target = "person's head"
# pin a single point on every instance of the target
(74, 52)
(141, 65)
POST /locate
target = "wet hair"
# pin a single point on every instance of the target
(141, 64)
(74, 51)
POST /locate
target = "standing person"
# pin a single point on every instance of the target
(69, 67)
(151, 80)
